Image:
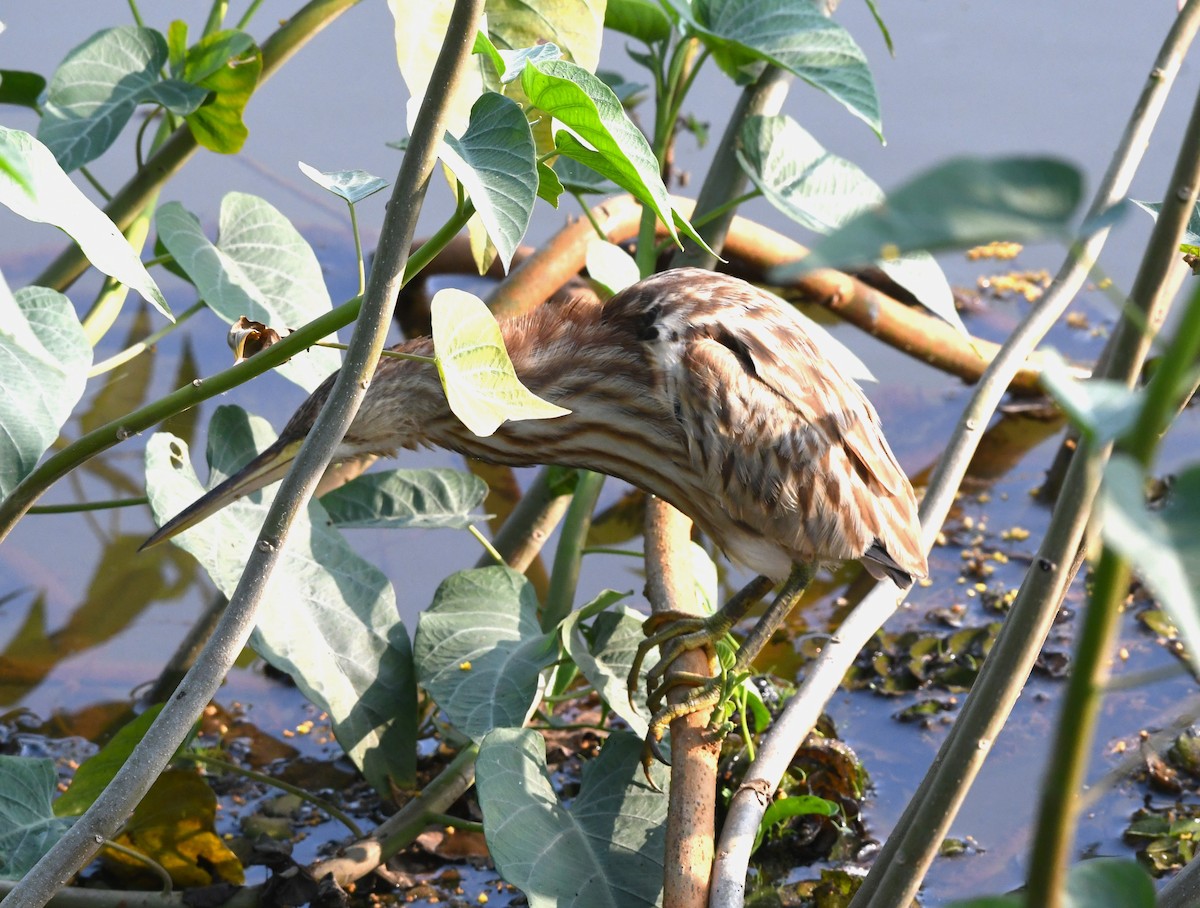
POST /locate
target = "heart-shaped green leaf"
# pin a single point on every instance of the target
(95, 89)
(56, 200)
(480, 651)
(822, 192)
(259, 267)
(964, 202)
(351, 185)
(606, 849)
(330, 620)
(28, 826)
(1163, 545)
(477, 375)
(615, 147)
(46, 359)
(795, 35)
(428, 499)
(495, 160)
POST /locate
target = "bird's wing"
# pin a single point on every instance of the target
(808, 388)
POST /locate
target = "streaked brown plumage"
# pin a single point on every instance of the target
(695, 386)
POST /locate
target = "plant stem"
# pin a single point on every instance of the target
(101, 439)
(124, 356)
(901, 864)
(726, 180)
(318, 802)
(1059, 808)
(358, 250)
(90, 506)
(565, 575)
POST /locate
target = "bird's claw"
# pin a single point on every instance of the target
(709, 694)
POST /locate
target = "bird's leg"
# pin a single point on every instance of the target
(685, 632)
(709, 690)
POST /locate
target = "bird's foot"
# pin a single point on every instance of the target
(674, 633)
(710, 694)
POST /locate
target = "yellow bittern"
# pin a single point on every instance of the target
(694, 386)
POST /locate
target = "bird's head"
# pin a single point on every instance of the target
(402, 403)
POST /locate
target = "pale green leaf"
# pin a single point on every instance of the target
(481, 386)
(96, 88)
(822, 192)
(1162, 545)
(605, 849)
(56, 200)
(1109, 883)
(419, 31)
(429, 499)
(614, 147)
(329, 619)
(611, 266)
(641, 19)
(603, 649)
(28, 826)
(795, 35)
(44, 358)
(962, 203)
(351, 185)
(480, 651)
(259, 267)
(575, 27)
(495, 160)
(1103, 410)
(517, 60)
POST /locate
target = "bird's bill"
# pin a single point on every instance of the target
(266, 468)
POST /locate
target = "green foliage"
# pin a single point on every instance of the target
(47, 358)
(330, 621)
(495, 160)
(1191, 234)
(602, 648)
(99, 84)
(425, 499)
(480, 651)
(41, 191)
(962, 203)
(21, 88)
(641, 19)
(781, 810)
(97, 771)
(28, 826)
(226, 65)
(174, 826)
(260, 267)
(351, 185)
(822, 192)
(618, 150)
(794, 35)
(605, 849)
(1162, 544)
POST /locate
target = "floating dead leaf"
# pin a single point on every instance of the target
(174, 825)
(453, 844)
(998, 250)
(1029, 284)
